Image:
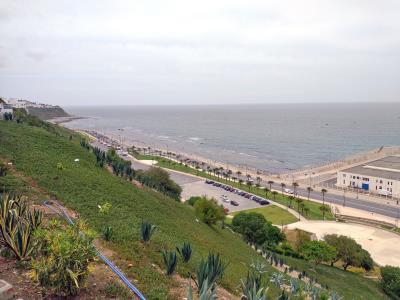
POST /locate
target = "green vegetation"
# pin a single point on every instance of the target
(82, 186)
(48, 113)
(349, 252)
(318, 251)
(107, 233)
(274, 214)
(208, 211)
(185, 252)
(62, 257)
(311, 210)
(17, 225)
(146, 231)
(170, 261)
(390, 281)
(256, 230)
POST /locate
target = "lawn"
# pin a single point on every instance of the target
(81, 186)
(314, 212)
(273, 213)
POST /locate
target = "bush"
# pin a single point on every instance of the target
(390, 281)
(318, 251)
(192, 200)
(208, 211)
(159, 179)
(63, 258)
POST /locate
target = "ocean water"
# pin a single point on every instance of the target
(271, 137)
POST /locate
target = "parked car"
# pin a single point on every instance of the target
(264, 202)
(234, 203)
(226, 200)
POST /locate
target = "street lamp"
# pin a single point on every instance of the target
(344, 197)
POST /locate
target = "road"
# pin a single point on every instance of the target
(392, 211)
(350, 201)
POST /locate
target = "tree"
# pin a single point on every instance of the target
(318, 251)
(256, 229)
(249, 184)
(390, 281)
(295, 186)
(208, 211)
(274, 194)
(309, 190)
(282, 187)
(323, 191)
(240, 182)
(270, 182)
(323, 209)
(349, 252)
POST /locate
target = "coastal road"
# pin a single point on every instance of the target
(182, 179)
(383, 208)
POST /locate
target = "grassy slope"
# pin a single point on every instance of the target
(314, 213)
(274, 214)
(82, 186)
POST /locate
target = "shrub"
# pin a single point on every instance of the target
(208, 211)
(170, 261)
(62, 258)
(318, 251)
(146, 231)
(185, 252)
(192, 200)
(107, 233)
(17, 224)
(390, 281)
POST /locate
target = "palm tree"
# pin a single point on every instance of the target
(295, 186)
(238, 173)
(306, 210)
(270, 182)
(309, 190)
(282, 186)
(274, 194)
(234, 178)
(249, 184)
(290, 201)
(240, 181)
(324, 209)
(298, 201)
(258, 179)
(229, 173)
(323, 191)
(258, 185)
(266, 192)
(302, 206)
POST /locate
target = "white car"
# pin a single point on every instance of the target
(288, 191)
(226, 200)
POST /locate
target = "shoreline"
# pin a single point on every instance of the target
(308, 175)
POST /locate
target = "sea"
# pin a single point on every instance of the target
(274, 138)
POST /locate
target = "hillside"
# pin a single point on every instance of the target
(82, 186)
(47, 113)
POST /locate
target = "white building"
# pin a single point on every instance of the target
(380, 176)
(18, 103)
(5, 109)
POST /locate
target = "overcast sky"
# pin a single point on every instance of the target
(200, 52)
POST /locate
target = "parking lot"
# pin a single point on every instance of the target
(200, 188)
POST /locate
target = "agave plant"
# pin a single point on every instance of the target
(108, 233)
(17, 224)
(205, 293)
(185, 252)
(251, 287)
(170, 261)
(255, 293)
(335, 296)
(146, 231)
(209, 271)
(35, 218)
(277, 279)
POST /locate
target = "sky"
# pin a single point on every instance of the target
(200, 52)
